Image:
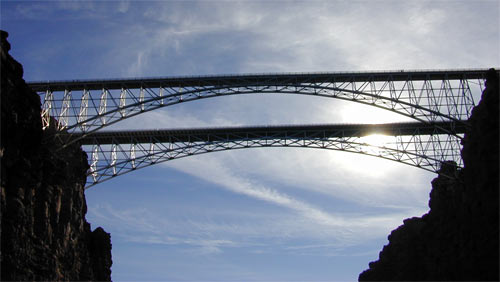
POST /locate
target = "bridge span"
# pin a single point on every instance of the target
(423, 145)
(426, 96)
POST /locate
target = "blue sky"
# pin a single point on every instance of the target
(268, 214)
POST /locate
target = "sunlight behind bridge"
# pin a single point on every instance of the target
(377, 140)
(375, 145)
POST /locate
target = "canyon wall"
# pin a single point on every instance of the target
(458, 239)
(44, 234)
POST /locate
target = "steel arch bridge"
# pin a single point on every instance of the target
(422, 145)
(426, 96)
(440, 101)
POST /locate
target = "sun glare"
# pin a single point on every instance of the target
(370, 166)
(376, 143)
(376, 140)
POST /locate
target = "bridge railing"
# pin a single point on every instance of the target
(41, 85)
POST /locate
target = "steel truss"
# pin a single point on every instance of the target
(426, 146)
(426, 96)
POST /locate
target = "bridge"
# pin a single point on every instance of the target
(440, 102)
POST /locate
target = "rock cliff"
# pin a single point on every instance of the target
(458, 239)
(44, 234)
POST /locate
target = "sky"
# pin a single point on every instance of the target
(266, 214)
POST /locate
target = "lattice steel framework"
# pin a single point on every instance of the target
(426, 96)
(423, 145)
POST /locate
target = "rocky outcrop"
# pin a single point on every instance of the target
(44, 234)
(458, 239)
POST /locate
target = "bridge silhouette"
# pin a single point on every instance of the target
(440, 102)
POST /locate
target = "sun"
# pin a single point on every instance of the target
(376, 139)
(376, 143)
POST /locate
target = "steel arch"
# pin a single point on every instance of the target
(426, 96)
(416, 144)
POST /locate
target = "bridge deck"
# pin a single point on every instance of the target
(275, 132)
(279, 79)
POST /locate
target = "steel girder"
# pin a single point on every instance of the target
(426, 96)
(426, 146)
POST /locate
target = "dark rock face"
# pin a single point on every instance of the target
(458, 239)
(44, 234)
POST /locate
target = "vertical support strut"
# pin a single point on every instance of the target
(103, 105)
(65, 108)
(95, 161)
(152, 151)
(123, 101)
(162, 101)
(84, 107)
(132, 155)
(48, 105)
(141, 98)
(113, 158)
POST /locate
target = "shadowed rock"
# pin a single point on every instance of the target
(43, 229)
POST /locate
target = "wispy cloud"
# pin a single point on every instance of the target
(219, 174)
(337, 225)
(156, 38)
(321, 36)
(257, 232)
